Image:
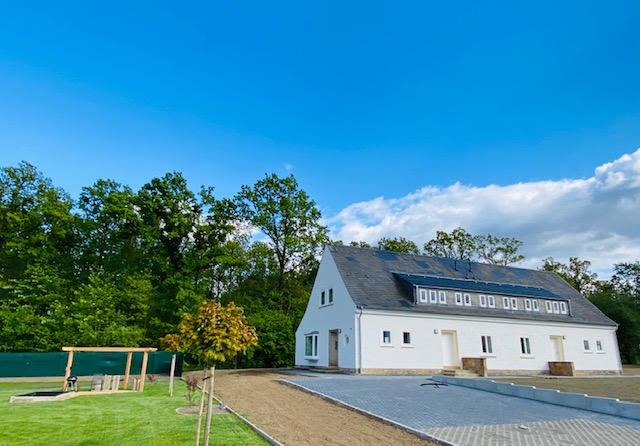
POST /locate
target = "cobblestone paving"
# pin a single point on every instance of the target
(464, 416)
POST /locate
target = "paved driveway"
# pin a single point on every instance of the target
(463, 416)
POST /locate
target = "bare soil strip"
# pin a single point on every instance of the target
(294, 417)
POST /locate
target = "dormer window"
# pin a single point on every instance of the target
(458, 298)
(422, 295)
(433, 297)
(483, 301)
(467, 299)
(443, 297)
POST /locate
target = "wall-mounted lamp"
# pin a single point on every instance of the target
(435, 331)
(564, 337)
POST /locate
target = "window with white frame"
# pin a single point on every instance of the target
(548, 307)
(487, 346)
(514, 303)
(386, 337)
(586, 346)
(422, 295)
(467, 299)
(443, 297)
(458, 298)
(406, 338)
(563, 307)
(433, 296)
(556, 307)
(527, 305)
(322, 298)
(491, 301)
(525, 346)
(311, 346)
(599, 348)
(330, 295)
(483, 301)
(536, 305)
(506, 303)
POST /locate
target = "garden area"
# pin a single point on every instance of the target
(147, 418)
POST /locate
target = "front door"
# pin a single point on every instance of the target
(333, 348)
(557, 349)
(449, 349)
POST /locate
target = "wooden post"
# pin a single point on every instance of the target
(202, 391)
(207, 429)
(172, 373)
(143, 373)
(127, 370)
(67, 371)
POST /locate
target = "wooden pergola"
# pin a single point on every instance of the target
(128, 350)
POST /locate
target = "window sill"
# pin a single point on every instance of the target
(326, 305)
(488, 355)
(407, 346)
(311, 358)
(386, 345)
(527, 357)
(601, 353)
(589, 352)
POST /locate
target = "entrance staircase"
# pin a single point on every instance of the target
(459, 373)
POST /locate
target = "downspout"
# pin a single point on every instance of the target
(359, 343)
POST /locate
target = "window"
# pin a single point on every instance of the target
(563, 307)
(386, 337)
(525, 346)
(330, 295)
(492, 302)
(433, 297)
(458, 298)
(548, 307)
(322, 298)
(505, 303)
(422, 295)
(406, 338)
(487, 347)
(536, 306)
(527, 305)
(443, 297)
(586, 345)
(599, 346)
(483, 300)
(311, 345)
(467, 299)
(514, 303)
(556, 307)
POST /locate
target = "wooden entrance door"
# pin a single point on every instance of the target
(333, 348)
(449, 349)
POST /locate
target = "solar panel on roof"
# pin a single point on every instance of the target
(387, 255)
(479, 286)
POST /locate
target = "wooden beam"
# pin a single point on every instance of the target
(143, 372)
(67, 371)
(127, 370)
(110, 349)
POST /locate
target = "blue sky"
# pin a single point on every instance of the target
(365, 102)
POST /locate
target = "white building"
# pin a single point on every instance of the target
(384, 312)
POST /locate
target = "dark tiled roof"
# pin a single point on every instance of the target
(371, 278)
(479, 286)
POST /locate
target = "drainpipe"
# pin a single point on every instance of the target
(359, 343)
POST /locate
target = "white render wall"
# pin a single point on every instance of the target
(339, 315)
(426, 350)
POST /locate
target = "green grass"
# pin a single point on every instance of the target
(140, 419)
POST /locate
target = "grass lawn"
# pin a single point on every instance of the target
(625, 389)
(147, 418)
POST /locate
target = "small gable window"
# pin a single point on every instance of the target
(330, 295)
(322, 298)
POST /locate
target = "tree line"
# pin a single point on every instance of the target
(121, 267)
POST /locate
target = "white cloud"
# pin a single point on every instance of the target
(595, 219)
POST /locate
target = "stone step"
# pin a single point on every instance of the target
(460, 373)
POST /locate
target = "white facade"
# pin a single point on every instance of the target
(336, 333)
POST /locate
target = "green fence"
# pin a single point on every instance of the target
(84, 364)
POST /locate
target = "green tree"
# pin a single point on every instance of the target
(458, 244)
(398, 244)
(215, 334)
(289, 219)
(498, 251)
(576, 273)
